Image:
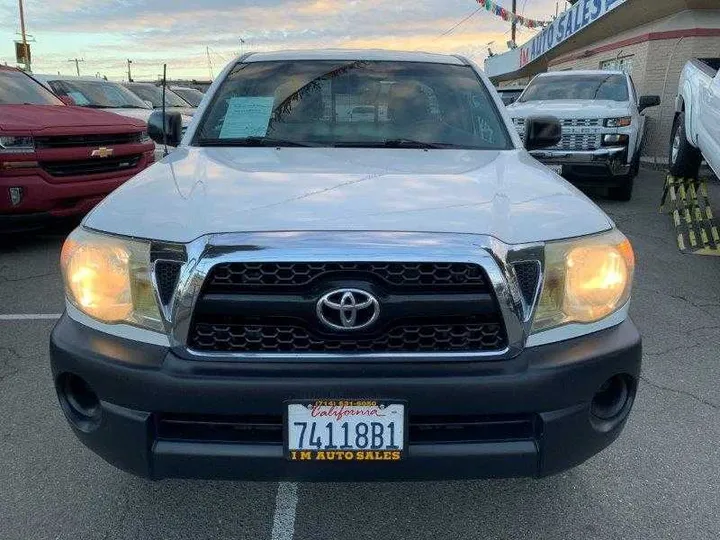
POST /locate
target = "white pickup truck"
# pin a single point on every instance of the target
(602, 126)
(696, 129)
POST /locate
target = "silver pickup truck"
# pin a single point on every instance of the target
(696, 129)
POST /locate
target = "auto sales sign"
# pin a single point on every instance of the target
(583, 13)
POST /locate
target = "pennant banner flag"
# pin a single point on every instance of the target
(509, 16)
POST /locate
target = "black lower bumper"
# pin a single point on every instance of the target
(547, 389)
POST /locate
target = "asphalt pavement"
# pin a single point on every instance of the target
(661, 479)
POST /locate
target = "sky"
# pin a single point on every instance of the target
(105, 33)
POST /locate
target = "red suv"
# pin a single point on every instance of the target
(57, 160)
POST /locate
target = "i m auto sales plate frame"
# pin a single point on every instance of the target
(345, 440)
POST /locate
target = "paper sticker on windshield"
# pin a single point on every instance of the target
(247, 117)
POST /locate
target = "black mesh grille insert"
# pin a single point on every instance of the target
(460, 337)
(528, 274)
(233, 276)
(72, 141)
(166, 277)
(90, 166)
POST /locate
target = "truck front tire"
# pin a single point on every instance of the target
(684, 159)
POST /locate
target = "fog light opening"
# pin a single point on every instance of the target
(612, 402)
(80, 403)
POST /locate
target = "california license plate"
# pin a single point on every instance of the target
(557, 169)
(345, 430)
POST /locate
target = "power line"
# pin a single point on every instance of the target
(452, 28)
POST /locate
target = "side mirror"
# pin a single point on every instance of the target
(648, 101)
(542, 132)
(67, 100)
(170, 123)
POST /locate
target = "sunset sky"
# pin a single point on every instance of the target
(107, 32)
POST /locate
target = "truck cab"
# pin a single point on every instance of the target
(602, 126)
(58, 160)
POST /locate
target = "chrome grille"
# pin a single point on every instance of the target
(580, 122)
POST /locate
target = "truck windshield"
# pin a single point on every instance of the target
(608, 87)
(342, 103)
(16, 88)
(98, 94)
(153, 94)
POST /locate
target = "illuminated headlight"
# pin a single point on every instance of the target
(109, 279)
(16, 145)
(585, 280)
(623, 121)
(144, 137)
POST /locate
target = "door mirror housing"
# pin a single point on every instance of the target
(170, 123)
(67, 100)
(542, 132)
(647, 102)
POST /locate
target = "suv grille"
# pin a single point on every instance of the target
(229, 276)
(73, 141)
(90, 166)
(272, 308)
(459, 337)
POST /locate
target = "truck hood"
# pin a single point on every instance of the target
(197, 191)
(570, 108)
(35, 119)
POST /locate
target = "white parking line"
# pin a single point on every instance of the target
(29, 316)
(285, 506)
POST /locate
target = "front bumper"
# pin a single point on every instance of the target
(139, 384)
(605, 163)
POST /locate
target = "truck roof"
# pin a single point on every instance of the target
(353, 54)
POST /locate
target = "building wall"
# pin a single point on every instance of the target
(657, 61)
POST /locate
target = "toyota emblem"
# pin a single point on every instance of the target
(348, 309)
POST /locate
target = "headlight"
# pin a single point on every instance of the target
(16, 145)
(109, 279)
(585, 280)
(618, 122)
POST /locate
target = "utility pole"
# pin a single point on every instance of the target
(513, 27)
(207, 51)
(24, 37)
(77, 64)
(130, 79)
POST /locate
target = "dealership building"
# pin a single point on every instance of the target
(650, 39)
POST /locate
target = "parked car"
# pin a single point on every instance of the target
(696, 128)
(510, 94)
(110, 96)
(293, 294)
(153, 95)
(191, 95)
(57, 160)
(602, 121)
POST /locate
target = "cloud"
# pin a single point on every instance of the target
(182, 32)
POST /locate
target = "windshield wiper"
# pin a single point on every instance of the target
(392, 143)
(250, 141)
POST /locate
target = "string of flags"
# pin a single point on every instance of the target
(509, 16)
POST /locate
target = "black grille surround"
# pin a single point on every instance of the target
(90, 166)
(272, 308)
(76, 141)
(166, 277)
(528, 275)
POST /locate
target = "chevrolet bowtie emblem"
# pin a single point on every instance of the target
(102, 152)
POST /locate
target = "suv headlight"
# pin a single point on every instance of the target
(109, 278)
(586, 279)
(16, 145)
(623, 121)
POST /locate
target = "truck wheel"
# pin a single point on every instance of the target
(684, 159)
(622, 192)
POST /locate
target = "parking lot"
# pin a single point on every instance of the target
(659, 480)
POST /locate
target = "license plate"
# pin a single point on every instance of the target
(557, 169)
(345, 430)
